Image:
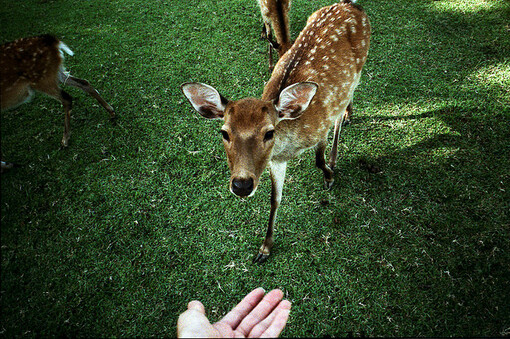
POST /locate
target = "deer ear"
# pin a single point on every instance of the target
(205, 99)
(295, 99)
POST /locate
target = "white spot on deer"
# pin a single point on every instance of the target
(363, 43)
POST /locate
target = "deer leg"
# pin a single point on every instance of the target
(16, 96)
(67, 103)
(85, 86)
(268, 35)
(348, 113)
(269, 47)
(277, 179)
(338, 128)
(50, 87)
(320, 162)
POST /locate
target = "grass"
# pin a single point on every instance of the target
(114, 235)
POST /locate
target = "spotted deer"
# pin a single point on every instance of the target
(310, 90)
(36, 63)
(275, 15)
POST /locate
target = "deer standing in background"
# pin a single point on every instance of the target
(310, 90)
(275, 14)
(36, 63)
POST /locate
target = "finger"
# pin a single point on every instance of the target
(260, 312)
(238, 313)
(276, 320)
(190, 323)
(197, 306)
(277, 325)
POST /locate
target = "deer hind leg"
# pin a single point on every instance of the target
(50, 87)
(85, 86)
(320, 162)
(277, 179)
(67, 102)
(344, 119)
(16, 95)
(267, 34)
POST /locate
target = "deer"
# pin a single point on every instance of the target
(310, 90)
(36, 64)
(275, 16)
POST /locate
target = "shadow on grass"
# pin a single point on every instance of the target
(454, 188)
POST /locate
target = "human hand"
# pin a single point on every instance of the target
(256, 316)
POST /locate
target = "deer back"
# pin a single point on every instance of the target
(330, 51)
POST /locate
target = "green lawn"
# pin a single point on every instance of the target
(115, 234)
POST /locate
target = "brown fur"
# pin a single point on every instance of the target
(310, 90)
(324, 66)
(275, 14)
(35, 63)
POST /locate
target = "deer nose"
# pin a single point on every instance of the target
(242, 187)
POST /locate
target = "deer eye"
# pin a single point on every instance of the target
(225, 135)
(269, 135)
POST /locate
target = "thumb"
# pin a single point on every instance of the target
(193, 323)
(196, 306)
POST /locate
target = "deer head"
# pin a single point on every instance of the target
(250, 128)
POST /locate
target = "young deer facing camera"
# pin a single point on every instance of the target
(275, 14)
(310, 90)
(35, 63)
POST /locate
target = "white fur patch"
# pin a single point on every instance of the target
(64, 48)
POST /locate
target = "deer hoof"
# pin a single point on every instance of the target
(65, 141)
(328, 184)
(260, 258)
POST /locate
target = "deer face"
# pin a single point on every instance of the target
(249, 130)
(248, 136)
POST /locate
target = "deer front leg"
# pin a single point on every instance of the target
(277, 179)
(320, 162)
(338, 128)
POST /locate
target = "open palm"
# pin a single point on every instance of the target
(256, 316)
